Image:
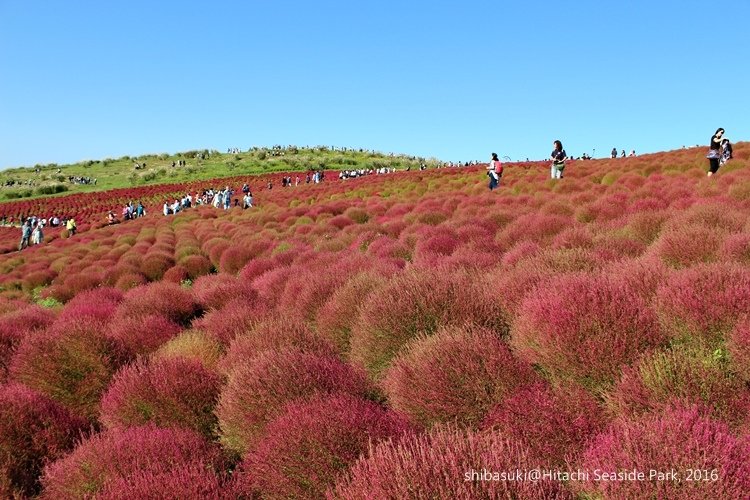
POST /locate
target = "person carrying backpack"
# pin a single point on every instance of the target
(494, 171)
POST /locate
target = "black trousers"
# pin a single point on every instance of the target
(713, 165)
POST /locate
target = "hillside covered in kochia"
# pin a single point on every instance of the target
(386, 335)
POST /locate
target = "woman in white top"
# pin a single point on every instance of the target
(494, 171)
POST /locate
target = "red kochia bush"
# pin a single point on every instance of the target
(119, 454)
(71, 362)
(418, 302)
(446, 463)
(739, 349)
(142, 334)
(215, 290)
(554, 424)
(14, 326)
(174, 392)
(237, 317)
(166, 299)
(684, 246)
(583, 328)
(456, 375)
(273, 333)
(256, 392)
(688, 374)
(33, 430)
(195, 266)
(704, 302)
(337, 316)
(179, 483)
(682, 440)
(98, 304)
(311, 443)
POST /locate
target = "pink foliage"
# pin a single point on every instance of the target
(117, 455)
(213, 291)
(311, 443)
(739, 349)
(257, 391)
(456, 375)
(584, 327)
(141, 335)
(704, 302)
(553, 423)
(15, 326)
(71, 362)
(173, 392)
(33, 430)
(436, 465)
(683, 440)
(166, 299)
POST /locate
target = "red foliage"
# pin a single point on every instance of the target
(235, 318)
(71, 362)
(195, 266)
(436, 465)
(704, 302)
(689, 375)
(418, 302)
(337, 317)
(215, 290)
(140, 335)
(257, 391)
(15, 326)
(118, 455)
(554, 424)
(98, 304)
(166, 299)
(172, 392)
(682, 440)
(584, 327)
(311, 443)
(685, 246)
(33, 430)
(273, 333)
(456, 375)
(179, 483)
(738, 346)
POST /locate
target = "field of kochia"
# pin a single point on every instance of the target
(392, 336)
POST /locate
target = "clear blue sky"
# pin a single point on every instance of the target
(454, 80)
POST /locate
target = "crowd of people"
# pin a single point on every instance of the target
(75, 179)
(353, 174)
(129, 212)
(32, 229)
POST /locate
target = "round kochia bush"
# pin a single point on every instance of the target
(685, 373)
(739, 349)
(33, 430)
(584, 327)
(162, 298)
(456, 375)
(553, 423)
(682, 439)
(15, 326)
(417, 302)
(191, 481)
(311, 443)
(257, 391)
(71, 362)
(117, 455)
(704, 302)
(436, 465)
(168, 392)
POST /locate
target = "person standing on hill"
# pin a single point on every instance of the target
(494, 171)
(714, 151)
(558, 157)
(25, 235)
(614, 153)
(71, 226)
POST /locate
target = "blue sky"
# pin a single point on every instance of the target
(452, 80)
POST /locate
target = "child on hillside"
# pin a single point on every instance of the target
(726, 152)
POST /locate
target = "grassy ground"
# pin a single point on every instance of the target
(52, 179)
